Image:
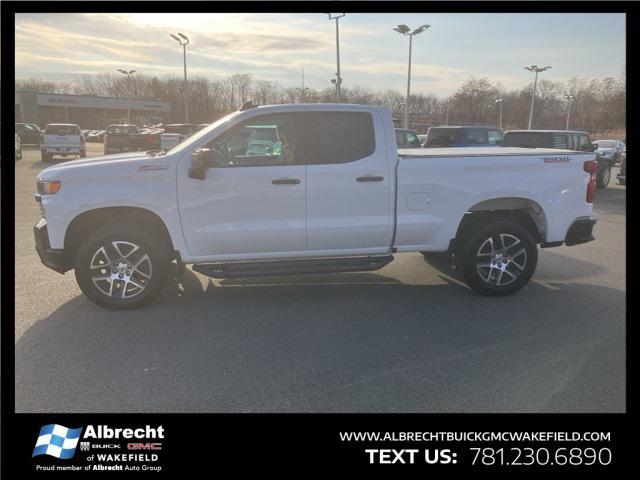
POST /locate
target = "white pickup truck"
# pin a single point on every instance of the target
(329, 193)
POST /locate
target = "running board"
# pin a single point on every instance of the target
(291, 267)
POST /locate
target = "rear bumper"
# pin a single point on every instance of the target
(580, 231)
(52, 258)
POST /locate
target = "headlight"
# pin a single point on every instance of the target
(49, 187)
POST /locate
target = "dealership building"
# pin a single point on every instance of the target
(89, 112)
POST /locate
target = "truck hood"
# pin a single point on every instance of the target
(75, 166)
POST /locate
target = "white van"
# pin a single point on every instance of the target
(62, 139)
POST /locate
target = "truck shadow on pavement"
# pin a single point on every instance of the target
(348, 343)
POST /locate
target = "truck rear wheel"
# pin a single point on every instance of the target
(122, 267)
(498, 258)
(604, 177)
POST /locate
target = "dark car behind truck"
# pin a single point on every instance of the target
(464, 136)
(122, 138)
(564, 139)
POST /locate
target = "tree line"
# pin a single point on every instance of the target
(598, 105)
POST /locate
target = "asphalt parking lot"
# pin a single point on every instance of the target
(407, 338)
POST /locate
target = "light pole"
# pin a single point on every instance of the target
(447, 103)
(184, 41)
(499, 103)
(569, 98)
(536, 69)
(338, 79)
(128, 73)
(406, 31)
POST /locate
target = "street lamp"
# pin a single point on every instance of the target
(338, 80)
(406, 31)
(535, 69)
(128, 73)
(184, 41)
(499, 103)
(447, 103)
(569, 98)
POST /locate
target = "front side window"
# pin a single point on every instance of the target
(494, 137)
(560, 140)
(339, 137)
(585, 144)
(260, 141)
(477, 137)
(412, 139)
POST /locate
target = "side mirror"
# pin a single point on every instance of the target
(594, 147)
(201, 160)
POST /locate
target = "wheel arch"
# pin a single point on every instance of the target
(90, 220)
(524, 210)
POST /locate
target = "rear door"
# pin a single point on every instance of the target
(349, 183)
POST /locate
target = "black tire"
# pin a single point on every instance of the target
(516, 270)
(604, 177)
(148, 278)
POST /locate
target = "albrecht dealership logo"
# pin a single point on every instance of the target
(57, 441)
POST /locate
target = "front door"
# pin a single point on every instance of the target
(253, 203)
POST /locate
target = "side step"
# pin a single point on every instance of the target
(292, 267)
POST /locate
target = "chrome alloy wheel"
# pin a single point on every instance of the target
(606, 176)
(501, 259)
(120, 269)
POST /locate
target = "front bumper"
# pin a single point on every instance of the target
(580, 231)
(52, 258)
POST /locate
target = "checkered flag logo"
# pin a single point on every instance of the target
(57, 441)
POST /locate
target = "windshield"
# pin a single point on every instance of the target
(528, 140)
(62, 130)
(442, 137)
(194, 138)
(606, 143)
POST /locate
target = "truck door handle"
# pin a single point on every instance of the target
(370, 178)
(285, 181)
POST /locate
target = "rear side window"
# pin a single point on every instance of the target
(339, 137)
(62, 130)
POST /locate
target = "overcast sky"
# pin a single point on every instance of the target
(278, 46)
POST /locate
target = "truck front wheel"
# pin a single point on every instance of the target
(122, 267)
(498, 258)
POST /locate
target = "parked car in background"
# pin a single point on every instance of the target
(121, 138)
(96, 136)
(564, 139)
(610, 149)
(176, 133)
(29, 133)
(622, 176)
(423, 140)
(18, 147)
(464, 136)
(150, 138)
(406, 138)
(63, 139)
